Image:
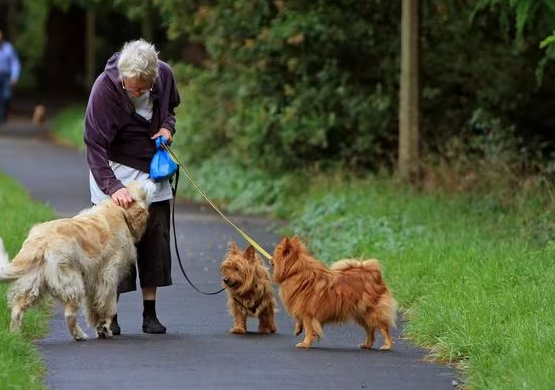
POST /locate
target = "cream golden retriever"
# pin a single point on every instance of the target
(78, 260)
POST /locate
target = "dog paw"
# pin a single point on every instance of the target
(365, 346)
(81, 337)
(385, 347)
(268, 330)
(237, 330)
(104, 335)
(298, 328)
(104, 332)
(302, 345)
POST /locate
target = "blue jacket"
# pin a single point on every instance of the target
(9, 62)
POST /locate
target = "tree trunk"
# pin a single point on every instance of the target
(12, 19)
(90, 44)
(409, 93)
(147, 28)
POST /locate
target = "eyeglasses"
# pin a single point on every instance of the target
(137, 90)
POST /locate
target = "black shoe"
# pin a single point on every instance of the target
(153, 326)
(114, 326)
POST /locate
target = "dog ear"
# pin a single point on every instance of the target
(286, 246)
(296, 240)
(233, 248)
(136, 190)
(249, 254)
(136, 218)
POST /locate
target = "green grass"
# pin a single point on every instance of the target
(474, 273)
(474, 280)
(21, 365)
(69, 126)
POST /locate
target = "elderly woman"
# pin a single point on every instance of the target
(131, 104)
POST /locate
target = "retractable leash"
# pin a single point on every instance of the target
(245, 236)
(174, 191)
(162, 166)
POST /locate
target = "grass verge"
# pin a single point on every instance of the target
(21, 365)
(472, 274)
(69, 127)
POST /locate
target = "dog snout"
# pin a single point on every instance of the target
(230, 282)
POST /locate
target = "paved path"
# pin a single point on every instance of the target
(197, 352)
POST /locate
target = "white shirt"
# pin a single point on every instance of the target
(142, 104)
(126, 174)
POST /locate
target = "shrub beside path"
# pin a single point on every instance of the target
(197, 352)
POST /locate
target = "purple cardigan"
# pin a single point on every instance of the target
(114, 131)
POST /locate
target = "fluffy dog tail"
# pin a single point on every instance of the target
(370, 265)
(20, 266)
(387, 305)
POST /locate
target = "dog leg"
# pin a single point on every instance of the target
(21, 296)
(70, 311)
(313, 331)
(239, 322)
(388, 343)
(103, 330)
(298, 326)
(67, 285)
(101, 315)
(102, 310)
(266, 321)
(17, 319)
(369, 341)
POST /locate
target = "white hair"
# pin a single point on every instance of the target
(138, 60)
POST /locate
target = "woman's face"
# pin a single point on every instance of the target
(136, 87)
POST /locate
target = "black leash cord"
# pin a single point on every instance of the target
(174, 191)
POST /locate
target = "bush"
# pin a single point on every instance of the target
(290, 84)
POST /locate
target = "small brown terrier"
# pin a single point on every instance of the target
(248, 285)
(350, 290)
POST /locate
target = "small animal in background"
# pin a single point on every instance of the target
(39, 115)
(248, 285)
(348, 291)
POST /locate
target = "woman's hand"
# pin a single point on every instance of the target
(122, 198)
(163, 132)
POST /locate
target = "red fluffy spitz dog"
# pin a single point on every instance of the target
(348, 291)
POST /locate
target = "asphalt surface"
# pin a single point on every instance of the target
(197, 352)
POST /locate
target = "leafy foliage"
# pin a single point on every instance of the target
(293, 85)
(290, 85)
(297, 86)
(31, 41)
(526, 14)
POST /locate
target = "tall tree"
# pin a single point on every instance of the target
(90, 42)
(12, 19)
(409, 116)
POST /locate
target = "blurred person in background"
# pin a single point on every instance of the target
(9, 75)
(130, 105)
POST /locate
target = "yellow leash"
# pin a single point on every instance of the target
(245, 236)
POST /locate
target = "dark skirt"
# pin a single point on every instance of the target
(153, 252)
